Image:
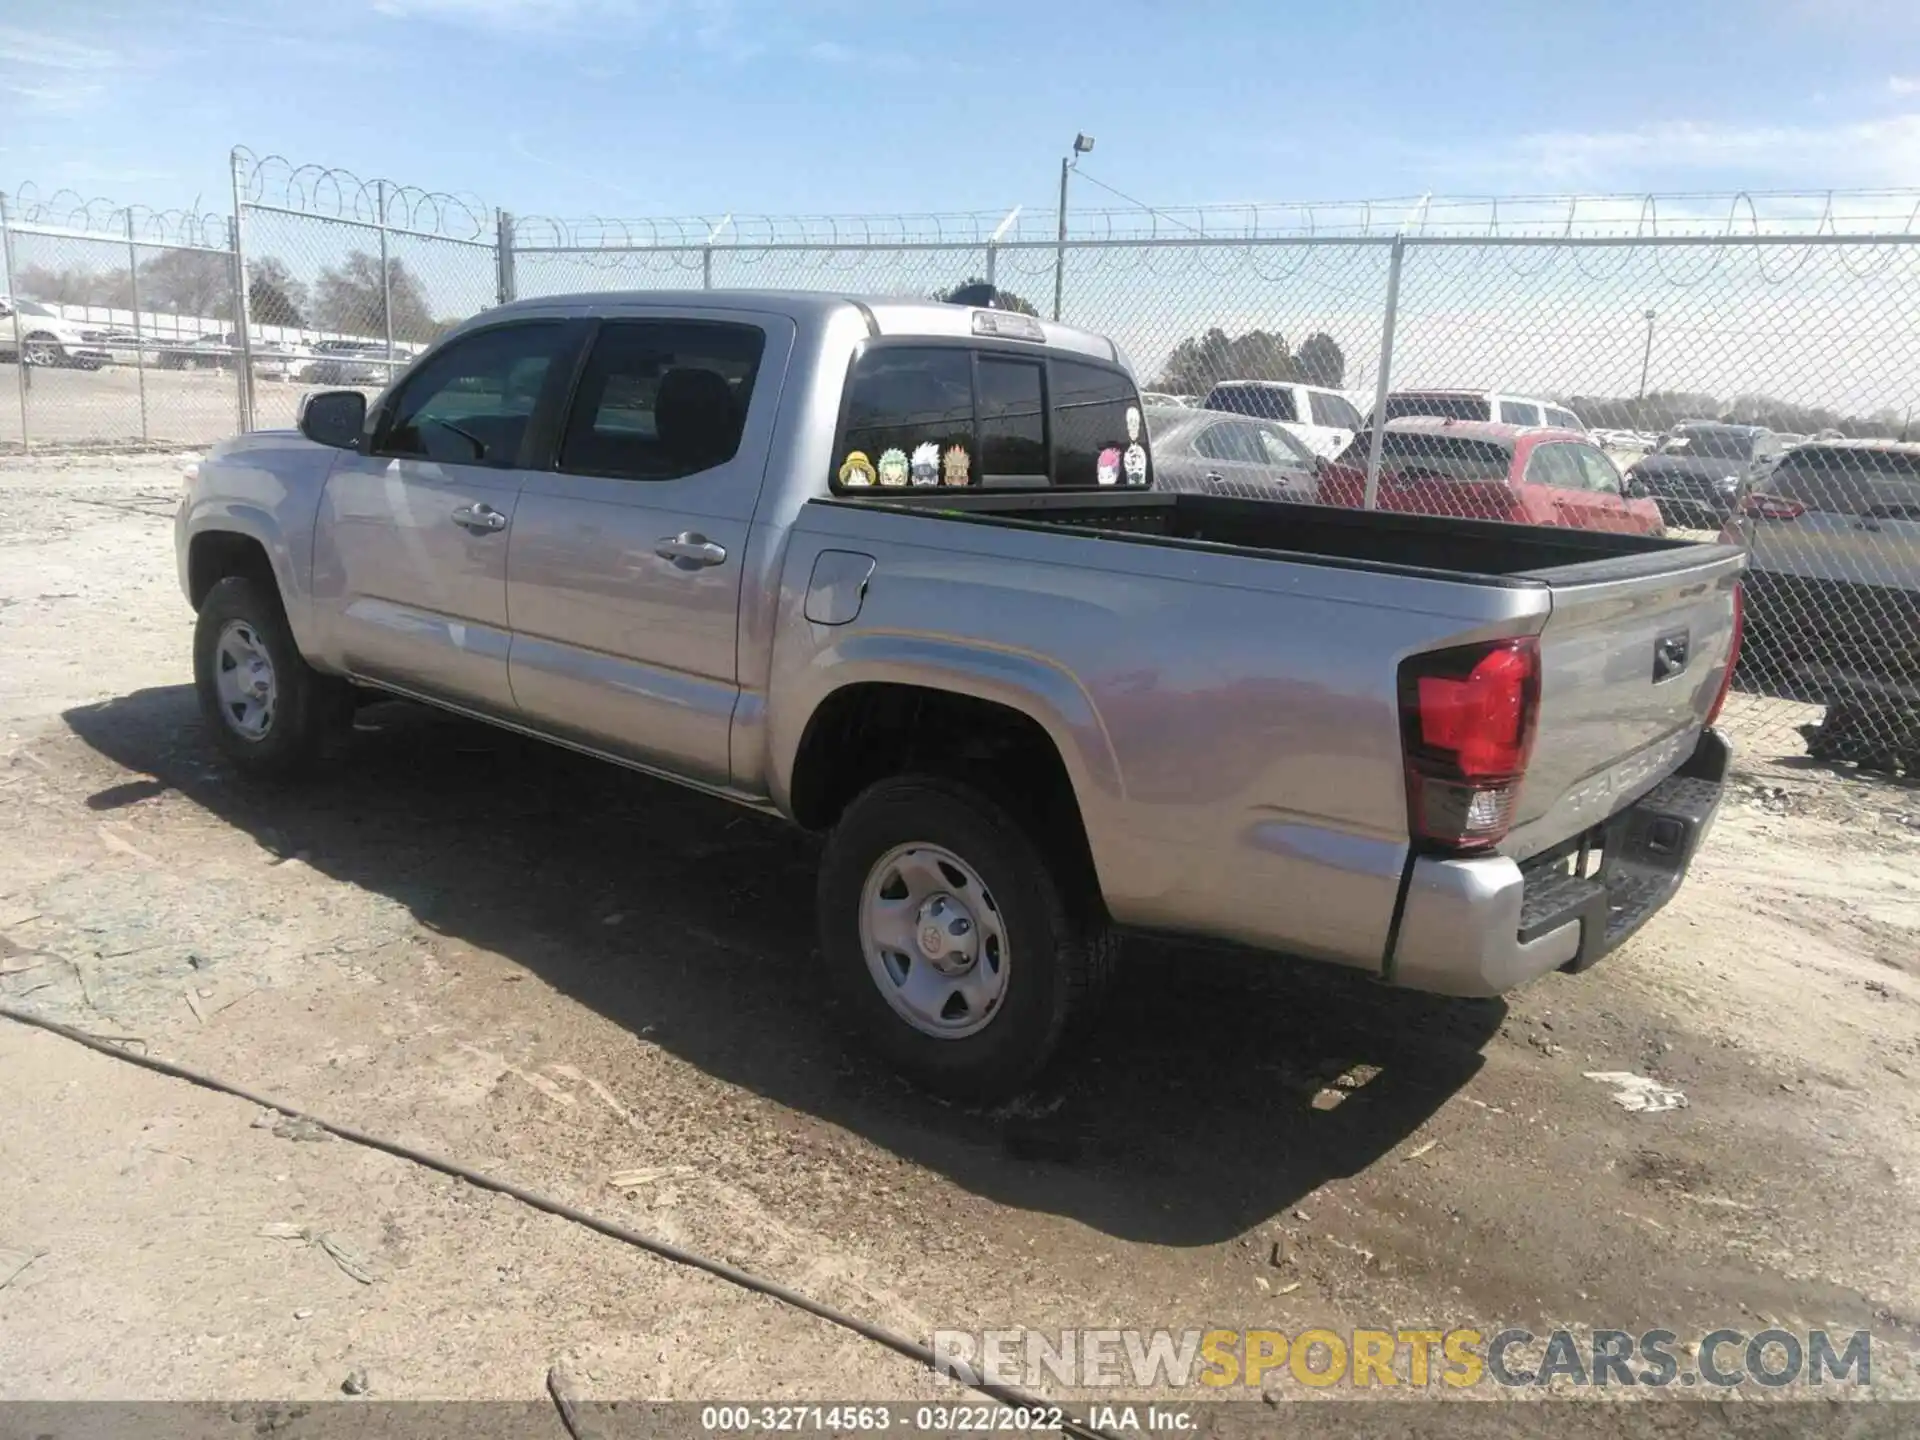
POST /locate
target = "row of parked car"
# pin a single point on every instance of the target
(1832, 525)
(51, 341)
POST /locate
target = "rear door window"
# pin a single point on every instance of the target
(1565, 419)
(1335, 411)
(660, 399)
(1232, 441)
(1519, 412)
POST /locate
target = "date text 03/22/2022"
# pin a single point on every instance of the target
(936, 1419)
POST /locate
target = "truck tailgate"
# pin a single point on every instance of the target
(1632, 658)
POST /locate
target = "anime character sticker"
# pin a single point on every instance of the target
(1136, 464)
(893, 468)
(1107, 472)
(856, 471)
(1133, 423)
(925, 464)
(955, 465)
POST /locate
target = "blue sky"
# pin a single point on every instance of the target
(649, 107)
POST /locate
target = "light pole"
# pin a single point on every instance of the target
(1081, 145)
(1646, 359)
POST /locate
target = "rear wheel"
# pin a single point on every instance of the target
(962, 951)
(43, 349)
(269, 712)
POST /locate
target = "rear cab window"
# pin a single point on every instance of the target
(1519, 412)
(1445, 407)
(926, 416)
(1263, 402)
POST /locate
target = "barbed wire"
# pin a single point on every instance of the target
(329, 192)
(96, 215)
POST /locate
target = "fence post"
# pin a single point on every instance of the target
(386, 280)
(706, 267)
(1380, 385)
(242, 317)
(503, 255)
(21, 378)
(139, 335)
(993, 265)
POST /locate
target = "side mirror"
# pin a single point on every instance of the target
(333, 417)
(1637, 490)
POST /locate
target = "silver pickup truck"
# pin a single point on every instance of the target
(897, 570)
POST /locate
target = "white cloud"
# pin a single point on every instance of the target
(1877, 152)
(1904, 84)
(57, 97)
(32, 50)
(831, 52)
(519, 15)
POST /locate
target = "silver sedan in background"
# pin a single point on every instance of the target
(1211, 452)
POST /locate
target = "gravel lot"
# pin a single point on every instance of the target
(564, 973)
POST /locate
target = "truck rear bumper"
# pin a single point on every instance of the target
(1483, 926)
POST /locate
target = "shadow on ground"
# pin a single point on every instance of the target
(1194, 1111)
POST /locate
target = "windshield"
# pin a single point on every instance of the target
(1711, 444)
(31, 307)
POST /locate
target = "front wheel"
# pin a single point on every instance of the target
(269, 712)
(43, 350)
(961, 949)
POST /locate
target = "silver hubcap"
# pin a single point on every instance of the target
(41, 352)
(243, 676)
(934, 941)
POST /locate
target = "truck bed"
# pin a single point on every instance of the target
(1402, 543)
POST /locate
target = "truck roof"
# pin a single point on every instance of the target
(886, 315)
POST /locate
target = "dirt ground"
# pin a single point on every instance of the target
(88, 408)
(564, 974)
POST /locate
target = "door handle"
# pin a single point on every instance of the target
(480, 518)
(1213, 476)
(690, 550)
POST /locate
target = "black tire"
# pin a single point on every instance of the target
(1061, 950)
(311, 711)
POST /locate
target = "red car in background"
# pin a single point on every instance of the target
(1482, 470)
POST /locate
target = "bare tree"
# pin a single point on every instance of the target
(350, 299)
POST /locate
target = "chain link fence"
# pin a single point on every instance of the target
(1628, 365)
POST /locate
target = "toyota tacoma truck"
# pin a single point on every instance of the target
(898, 572)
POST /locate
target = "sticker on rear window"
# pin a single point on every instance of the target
(856, 471)
(1136, 464)
(893, 467)
(1133, 422)
(925, 467)
(1107, 472)
(956, 465)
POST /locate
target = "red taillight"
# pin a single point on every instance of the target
(1772, 507)
(1467, 722)
(1733, 649)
